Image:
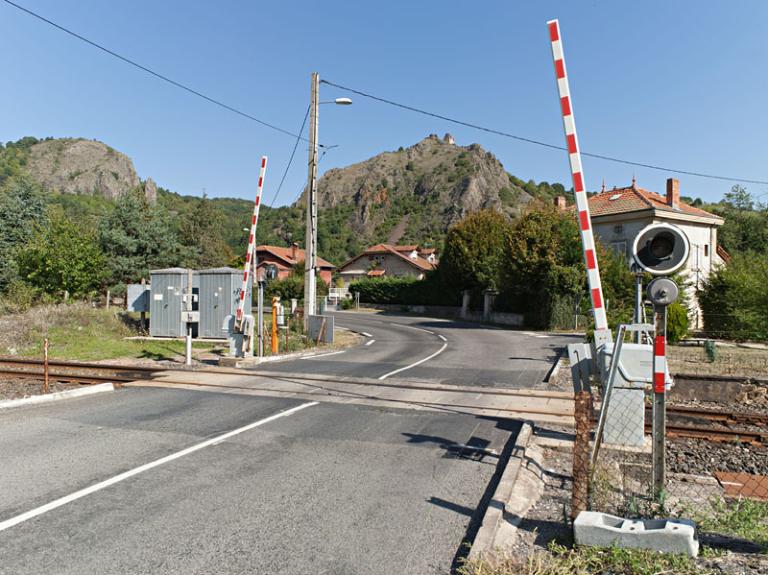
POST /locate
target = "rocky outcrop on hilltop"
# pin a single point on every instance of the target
(78, 166)
(418, 192)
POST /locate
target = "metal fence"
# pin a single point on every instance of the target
(715, 466)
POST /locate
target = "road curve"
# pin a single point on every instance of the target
(440, 350)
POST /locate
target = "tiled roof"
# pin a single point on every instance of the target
(419, 262)
(375, 273)
(286, 254)
(427, 251)
(633, 199)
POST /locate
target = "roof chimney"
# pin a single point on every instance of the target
(294, 247)
(560, 202)
(673, 192)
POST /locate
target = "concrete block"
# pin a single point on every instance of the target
(664, 535)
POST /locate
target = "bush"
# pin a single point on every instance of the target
(734, 299)
(677, 322)
(346, 303)
(288, 288)
(405, 290)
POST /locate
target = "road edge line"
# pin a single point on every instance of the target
(51, 397)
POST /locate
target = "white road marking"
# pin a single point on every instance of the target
(365, 334)
(8, 523)
(540, 335)
(323, 355)
(413, 327)
(370, 342)
(441, 337)
(438, 352)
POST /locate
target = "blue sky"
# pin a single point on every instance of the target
(681, 84)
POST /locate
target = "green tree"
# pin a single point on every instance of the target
(200, 232)
(62, 256)
(544, 272)
(734, 299)
(21, 207)
(746, 225)
(137, 237)
(474, 253)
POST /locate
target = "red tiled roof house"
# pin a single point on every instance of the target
(279, 262)
(619, 214)
(385, 260)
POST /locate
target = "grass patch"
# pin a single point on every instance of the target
(742, 518)
(80, 332)
(561, 560)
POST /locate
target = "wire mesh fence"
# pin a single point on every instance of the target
(716, 467)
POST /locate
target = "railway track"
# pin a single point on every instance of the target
(73, 372)
(683, 421)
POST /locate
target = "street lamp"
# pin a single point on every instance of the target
(310, 253)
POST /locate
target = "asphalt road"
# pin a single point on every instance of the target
(467, 353)
(326, 489)
(142, 481)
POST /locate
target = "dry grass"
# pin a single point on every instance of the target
(736, 361)
(559, 560)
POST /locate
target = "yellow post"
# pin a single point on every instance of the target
(275, 301)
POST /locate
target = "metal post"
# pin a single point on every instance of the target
(311, 234)
(260, 317)
(189, 324)
(109, 296)
(638, 305)
(275, 301)
(143, 313)
(46, 387)
(659, 400)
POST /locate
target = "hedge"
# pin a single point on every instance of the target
(405, 290)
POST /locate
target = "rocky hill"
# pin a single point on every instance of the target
(79, 166)
(416, 193)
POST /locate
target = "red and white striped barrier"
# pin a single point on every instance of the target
(574, 156)
(251, 247)
(660, 363)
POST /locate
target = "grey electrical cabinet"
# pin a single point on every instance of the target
(219, 295)
(168, 296)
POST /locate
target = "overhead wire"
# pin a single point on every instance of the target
(290, 160)
(158, 75)
(536, 142)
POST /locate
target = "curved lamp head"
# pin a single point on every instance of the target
(343, 101)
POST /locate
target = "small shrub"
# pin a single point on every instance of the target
(677, 322)
(346, 303)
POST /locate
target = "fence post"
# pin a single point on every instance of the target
(581, 453)
(46, 387)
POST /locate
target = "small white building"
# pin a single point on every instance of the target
(619, 214)
(385, 260)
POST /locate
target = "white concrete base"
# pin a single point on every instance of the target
(664, 535)
(51, 397)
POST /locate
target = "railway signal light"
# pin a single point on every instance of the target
(661, 249)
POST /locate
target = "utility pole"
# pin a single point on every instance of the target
(310, 252)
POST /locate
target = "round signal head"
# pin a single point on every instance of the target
(661, 249)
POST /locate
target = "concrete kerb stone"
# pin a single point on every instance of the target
(518, 489)
(51, 397)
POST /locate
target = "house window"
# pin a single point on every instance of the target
(706, 250)
(619, 248)
(618, 229)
